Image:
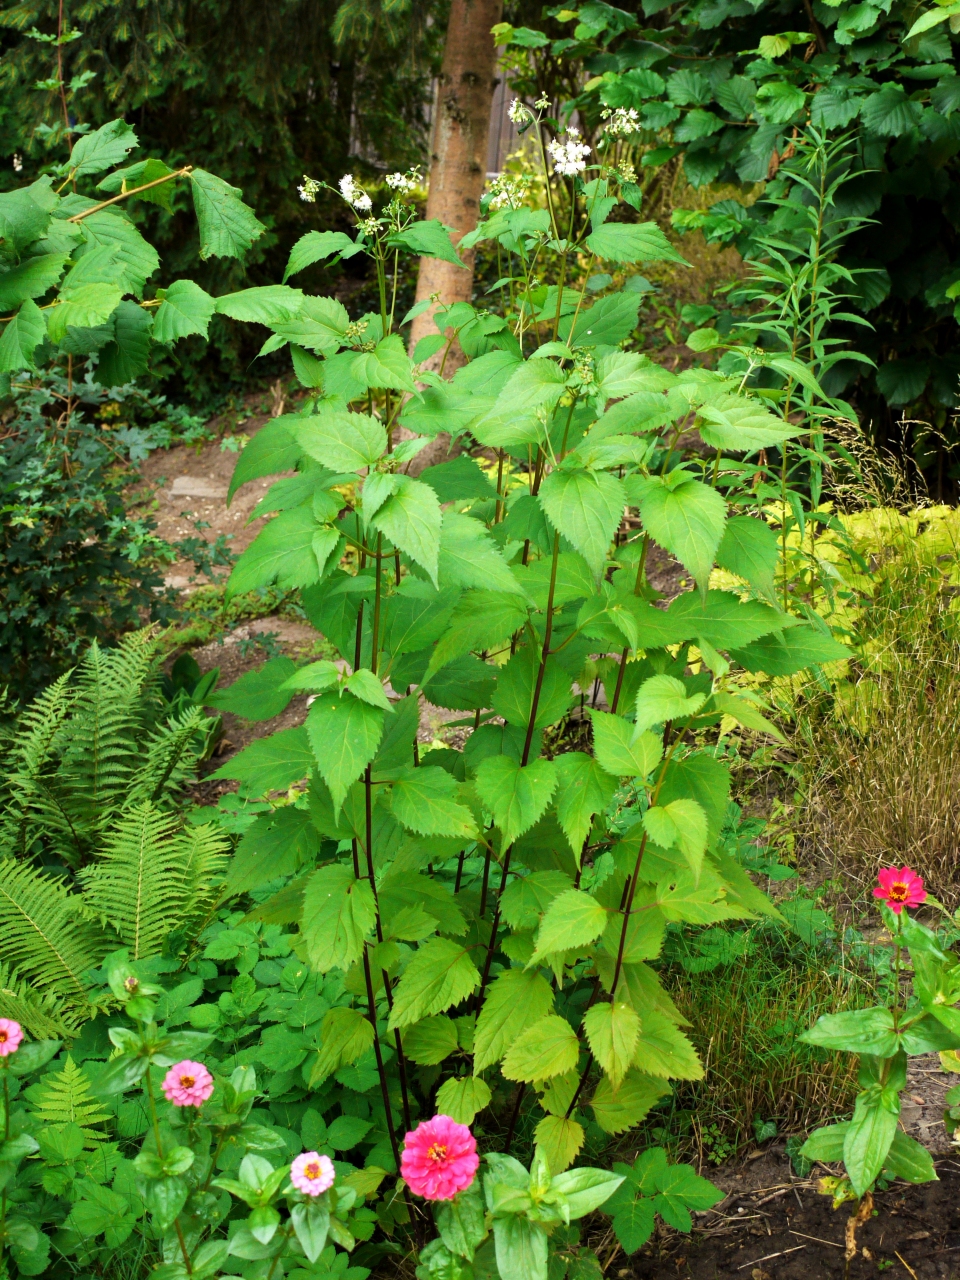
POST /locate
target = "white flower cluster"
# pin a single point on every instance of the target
(308, 190)
(403, 183)
(518, 111)
(623, 172)
(542, 103)
(17, 164)
(355, 194)
(569, 156)
(623, 121)
(509, 190)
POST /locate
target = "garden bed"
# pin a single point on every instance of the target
(781, 1228)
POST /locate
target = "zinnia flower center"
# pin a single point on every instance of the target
(3, 1037)
(188, 1081)
(437, 1152)
(312, 1170)
(899, 892)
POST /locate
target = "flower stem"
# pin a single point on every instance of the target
(156, 1137)
(528, 741)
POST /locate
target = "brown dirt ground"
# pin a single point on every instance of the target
(775, 1226)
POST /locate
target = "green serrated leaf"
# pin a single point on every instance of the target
(228, 227)
(516, 796)
(547, 1048)
(586, 507)
(620, 750)
(515, 1000)
(440, 975)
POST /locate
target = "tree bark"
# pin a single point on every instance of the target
(458, 164)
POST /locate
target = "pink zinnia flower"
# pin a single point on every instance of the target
(899, 888)
(187, 1084)
(439, 1159)
(11, 1033)
(312, 1174)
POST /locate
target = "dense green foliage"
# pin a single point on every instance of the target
(255, 93)
(92, 771)
(729, 86)
(73, 270)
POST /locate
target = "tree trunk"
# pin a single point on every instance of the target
(458, 163)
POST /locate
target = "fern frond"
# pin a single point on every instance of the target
(117, 705)
(67, 1097)
(29, 794)
(172, 755)
(207, 852)
(44, 1016)
(42, 934)
(38, 726)
(99, 741)
(153, 880)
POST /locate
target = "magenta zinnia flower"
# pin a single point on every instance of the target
(312, 1174)
(899, 888)
(439, 1159)
(11, 1033)
(187, 1084)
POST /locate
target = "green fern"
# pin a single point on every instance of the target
(29, 796)
(43, 1016)
(107, 728)
(43, 936)
(172, 755)
(66, 1097)
(151, 879)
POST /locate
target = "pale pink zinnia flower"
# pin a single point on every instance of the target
(312, 1174)
(187, 1084)
(899, 888)
(11, 1033)
(439, 1159)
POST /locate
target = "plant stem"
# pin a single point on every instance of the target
(371, 876)
(545, 653)
(124, 195)
(381, 1069)
(6, 1138)
(626, 649)
(156, 1137)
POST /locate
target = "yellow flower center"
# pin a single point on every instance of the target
(312, 1170)
(187, 1082)
(437, 1152)
(899, 891)
(3, 1037)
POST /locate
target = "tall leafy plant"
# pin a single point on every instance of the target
(494, 910)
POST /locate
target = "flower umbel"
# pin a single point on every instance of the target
(312, 1174)
(518, 111)
(900, 887)
(187, 1084)
(508, 190)
(11, 1033)
(569, 156)
(403, 183)
(622, 121)
(355, 194)
(439, 1159)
